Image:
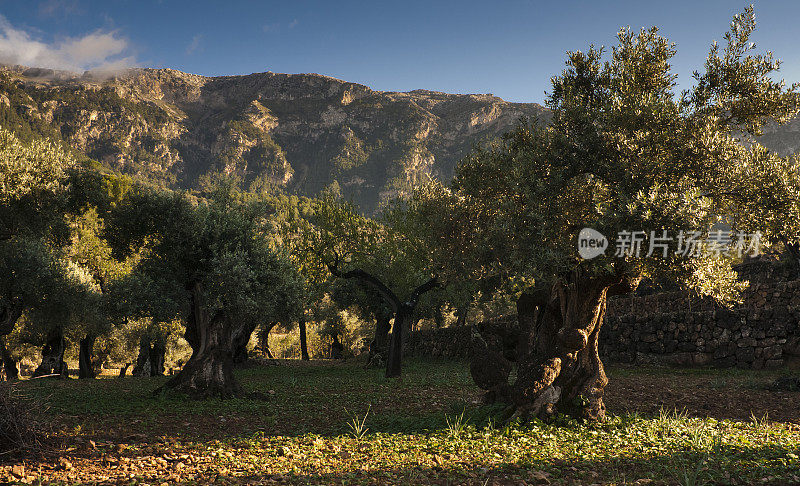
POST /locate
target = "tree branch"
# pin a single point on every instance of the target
(10, 315)
(419, 291)
(370, 280)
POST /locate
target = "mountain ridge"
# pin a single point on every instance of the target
(300, 132)
(305, 132)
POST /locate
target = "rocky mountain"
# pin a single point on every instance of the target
(304, 132)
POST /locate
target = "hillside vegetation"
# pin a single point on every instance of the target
(302, 132)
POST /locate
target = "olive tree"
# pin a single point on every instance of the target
(623, 153)
(206, 263)
(36, 280)
(386, 256)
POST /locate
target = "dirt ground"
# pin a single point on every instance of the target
(721, 394)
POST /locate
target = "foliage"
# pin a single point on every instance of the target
(32, 185)
(216, 243)
(382, 247)
(52, 292)
(37, 278)
(625, 153)
(301, 434)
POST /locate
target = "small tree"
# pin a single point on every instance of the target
(388, 258)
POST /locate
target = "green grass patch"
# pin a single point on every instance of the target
(337, 423)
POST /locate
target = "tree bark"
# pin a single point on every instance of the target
(10, 369)
(209, 372)
(303, 338)
(143, 364)
(240, 340)
(378, 347)
(85, 357)
(157, 356)
(559, 366)
(394, 360)
(403, 310)
(337, 348)
(53, 356)
(263, 339)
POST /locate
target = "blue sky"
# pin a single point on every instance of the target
(509, 48)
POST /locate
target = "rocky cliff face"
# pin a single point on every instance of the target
(303, 131)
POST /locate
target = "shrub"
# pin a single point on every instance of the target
(19, 427)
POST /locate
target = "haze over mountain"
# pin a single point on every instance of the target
(305, 132)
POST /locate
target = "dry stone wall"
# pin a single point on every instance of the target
(676, 328)
(671, 328)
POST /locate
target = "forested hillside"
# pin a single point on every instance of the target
(302, 132)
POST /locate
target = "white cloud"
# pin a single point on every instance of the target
(99, 50)
(194, 45)
(54, 8)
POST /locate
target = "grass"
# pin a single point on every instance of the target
(332, 423)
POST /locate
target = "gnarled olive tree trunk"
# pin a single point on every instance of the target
(151, 357)
(9, 315)
(53, 356)
(263, 339)
(85, 357)
(337, 348)
(239, 341)
(558, 363)
(209, 372)
(403, 310)
(143, 363)
(402, 319)
(158, 355)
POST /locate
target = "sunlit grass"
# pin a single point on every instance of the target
(338, 423)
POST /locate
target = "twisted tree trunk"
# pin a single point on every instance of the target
(9, 363)
(143, 364)
(263, 339)
(158, 354)
(337, 348)
(240, 340)
(378, 346)
(9, 315)
(209, 372)
(395, 358)
(559, 366)
(53, 356)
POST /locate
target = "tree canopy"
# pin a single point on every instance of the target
(625, 155)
